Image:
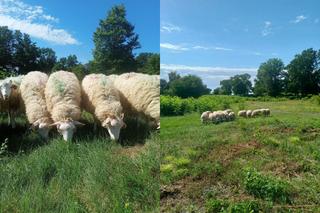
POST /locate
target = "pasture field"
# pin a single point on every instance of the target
(268, 164)
(91, 174)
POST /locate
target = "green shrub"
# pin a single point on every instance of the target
(215, 205)
(266, 187)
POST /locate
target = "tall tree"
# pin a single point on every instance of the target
(6, 47)
(66, 63)
(114, 42)
(26, 53)
(47, 59)
(241, 84)
(303, 73)
(269, 79)
(226, 87)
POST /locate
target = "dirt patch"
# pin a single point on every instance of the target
(193, 190)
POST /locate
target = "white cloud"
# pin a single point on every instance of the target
(173, 47)
(34, 21)
(266, 29)
(167, 27)
(210, 75)
(299, 19)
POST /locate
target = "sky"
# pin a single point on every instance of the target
(216, 39)
(68, 26)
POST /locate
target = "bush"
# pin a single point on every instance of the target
(178, 106)
(266, 187)
(214, 205)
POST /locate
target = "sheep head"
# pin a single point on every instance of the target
(67, 128)
(114, 124)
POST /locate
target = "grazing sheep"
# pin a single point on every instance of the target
(102, 99)
(256, 112)
(242, 113)
(205, 116)
(32, 93)
(63, 98)
(232, 116)
(140, 95)
(249, 113)
(228, 110)
(265, 112)
(11, 98)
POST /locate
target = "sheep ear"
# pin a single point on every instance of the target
(35, 125)
(77, 123)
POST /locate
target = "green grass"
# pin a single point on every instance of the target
(273, 162)
(91, 174)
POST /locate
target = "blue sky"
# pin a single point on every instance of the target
(216, 39)
(68, 26)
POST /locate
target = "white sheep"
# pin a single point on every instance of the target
(32, 92)
(242, 113)
(256, 112)
(249, 113)
(63, 99)
(11, 98)
(205, 116)
(265, 112)
(140, 95)
(102, 99)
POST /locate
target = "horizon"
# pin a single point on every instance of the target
(219, 39)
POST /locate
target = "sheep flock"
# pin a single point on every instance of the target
(57, 101)
(228, 115)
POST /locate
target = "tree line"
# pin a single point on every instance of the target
(114, 40)
(301, 77)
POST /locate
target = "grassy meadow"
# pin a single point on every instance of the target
(91, 174)
(268, 164)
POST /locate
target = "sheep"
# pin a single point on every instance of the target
(63, 99)
(102, 99)
(265, 112)
(256, 112)
(248, 113)
(242, 113)
(205, 117)
(232, 116)
(11, 98)
(140, 95)
(32, 93)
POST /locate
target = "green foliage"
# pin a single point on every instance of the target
(47, 60)
(269, 78)
(216, 205)
(114, 42)
(266, 187)
(177, 106)
(303, 75)
(148, 63)
(184, 87)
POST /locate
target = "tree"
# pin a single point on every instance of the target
(66, 63)
(303, 73)
(6, 47)
(226, 87)
(26, 53)
(148, 63)
(173, 76)
(163, 86)
(241, 84)
(114, 42)
(47, 59)
(188, 86)
(269, 79)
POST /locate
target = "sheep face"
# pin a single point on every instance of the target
(114, 124)
(67, 128)
(6, 88)
(42, 127)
